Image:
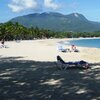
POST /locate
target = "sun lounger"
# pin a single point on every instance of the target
(64, 65)
(3, 46)
(61, 64)
(61, 48)
(76, 50)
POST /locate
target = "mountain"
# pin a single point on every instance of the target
(58, 22)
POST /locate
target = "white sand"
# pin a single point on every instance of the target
(46, 50)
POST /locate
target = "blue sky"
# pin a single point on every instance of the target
(13, 8)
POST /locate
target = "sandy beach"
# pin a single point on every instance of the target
(28, 72)
(46, 50)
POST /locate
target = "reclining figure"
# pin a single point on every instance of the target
(64, 65)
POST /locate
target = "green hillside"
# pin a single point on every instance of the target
(58, 22)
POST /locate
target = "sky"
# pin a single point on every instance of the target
(13, 8)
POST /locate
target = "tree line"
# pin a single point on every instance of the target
(15, 31)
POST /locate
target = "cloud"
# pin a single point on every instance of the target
(15, 8)
(50, 4)
(20, 5)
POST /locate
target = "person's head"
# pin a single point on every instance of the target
(60, 59)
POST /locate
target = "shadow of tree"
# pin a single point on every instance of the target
(34, 80)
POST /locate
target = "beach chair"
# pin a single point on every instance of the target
(61, 63)
(61, 48)
(3, 46)
(64, 65)
(76, 50)
(82, 64)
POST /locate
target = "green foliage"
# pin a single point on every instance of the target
(15, 31)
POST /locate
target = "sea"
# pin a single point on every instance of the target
(92, 42)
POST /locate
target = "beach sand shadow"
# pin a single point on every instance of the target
(34, 80)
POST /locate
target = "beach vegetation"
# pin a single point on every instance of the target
(15, 31)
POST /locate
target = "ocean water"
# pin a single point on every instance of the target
(95, 43)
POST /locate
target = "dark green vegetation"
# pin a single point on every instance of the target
(58, 22)
(11, 31)
(35, 80)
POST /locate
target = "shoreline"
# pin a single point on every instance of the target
(75, 39)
